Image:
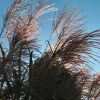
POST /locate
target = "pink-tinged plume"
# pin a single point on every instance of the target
(26, 24)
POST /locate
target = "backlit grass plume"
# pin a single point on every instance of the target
(61, 72)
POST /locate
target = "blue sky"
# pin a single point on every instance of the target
(91, 11)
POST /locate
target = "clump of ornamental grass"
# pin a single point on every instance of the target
(61, 72)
